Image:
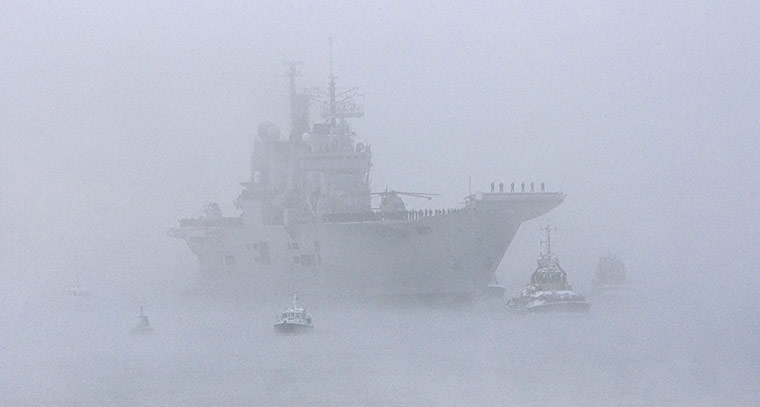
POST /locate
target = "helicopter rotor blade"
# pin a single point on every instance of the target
(419, 196)
(417, 193)
(425, 195)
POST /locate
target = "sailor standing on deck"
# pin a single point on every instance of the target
(493, 187)
(512, 187)
(501, 187)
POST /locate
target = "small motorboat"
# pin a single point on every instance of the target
(143, 324)
(79, 291)
(548, 290)
(294, 319)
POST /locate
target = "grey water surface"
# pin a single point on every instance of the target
(209, 351)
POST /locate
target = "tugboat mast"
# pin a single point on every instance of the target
(548, 228)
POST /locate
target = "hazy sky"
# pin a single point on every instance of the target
(118, 118)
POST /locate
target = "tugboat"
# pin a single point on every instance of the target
(143, 325)
(548, 290)
(610, 276)
(294, 319)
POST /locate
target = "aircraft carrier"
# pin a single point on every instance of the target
(306, 220)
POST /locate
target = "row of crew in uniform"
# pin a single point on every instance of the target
(522, 187)
(390, 215)
(428, 212)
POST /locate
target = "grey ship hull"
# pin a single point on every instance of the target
(453, 254)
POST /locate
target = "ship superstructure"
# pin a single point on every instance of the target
(307, 220)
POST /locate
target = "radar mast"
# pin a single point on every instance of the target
(337, 103)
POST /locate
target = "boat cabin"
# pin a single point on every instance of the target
(549, 276)
(295, 314)
(292, 316)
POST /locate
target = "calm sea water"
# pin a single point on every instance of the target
(59, 350)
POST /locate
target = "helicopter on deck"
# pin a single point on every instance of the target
(391, 202)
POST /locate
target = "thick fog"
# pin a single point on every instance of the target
(118, 119)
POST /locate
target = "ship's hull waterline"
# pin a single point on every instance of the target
(453, 254)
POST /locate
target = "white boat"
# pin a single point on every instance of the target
(143, 324)
(548, 290)
(294, 319)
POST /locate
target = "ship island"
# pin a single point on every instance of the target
(306, 219)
